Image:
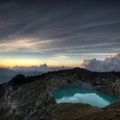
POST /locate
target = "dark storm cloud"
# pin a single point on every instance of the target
(72, 27)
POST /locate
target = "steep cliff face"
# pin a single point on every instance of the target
(28, 101)
(31, 98)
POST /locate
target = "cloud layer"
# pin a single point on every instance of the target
(47, 28)
(111, 63)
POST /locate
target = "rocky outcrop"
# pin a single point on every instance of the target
(116, 88)
(31, 98)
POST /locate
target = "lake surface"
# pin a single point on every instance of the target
(84, 95)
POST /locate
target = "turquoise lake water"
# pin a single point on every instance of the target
(85, 96)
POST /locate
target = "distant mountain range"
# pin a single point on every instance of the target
(8, 74)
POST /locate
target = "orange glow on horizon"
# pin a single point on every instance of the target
(35, 62)
(19, 62)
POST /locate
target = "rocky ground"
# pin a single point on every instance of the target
(31, 98)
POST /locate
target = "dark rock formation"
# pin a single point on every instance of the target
(30, 98)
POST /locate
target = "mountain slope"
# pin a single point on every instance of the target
(30, 98)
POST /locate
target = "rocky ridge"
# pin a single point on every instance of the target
(31, 98)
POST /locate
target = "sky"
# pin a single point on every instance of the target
(58, 32)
